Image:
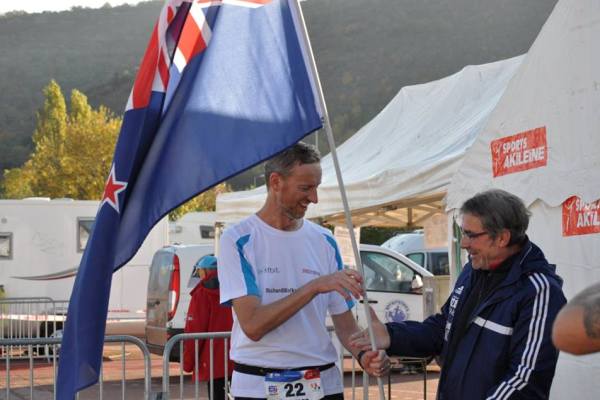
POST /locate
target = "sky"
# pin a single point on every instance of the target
(32, 6)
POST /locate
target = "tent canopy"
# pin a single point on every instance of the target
(557, 89)
(396, 169)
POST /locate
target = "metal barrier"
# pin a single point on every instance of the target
(31, 318)
(54, 344)
(344, 363)
(29, 387)
(225, 336)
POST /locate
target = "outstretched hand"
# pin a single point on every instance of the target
(361, 340)
(375, 363)
(346, 282)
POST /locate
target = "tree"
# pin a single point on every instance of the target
(49, 139)
(89, 148)
(73, 153)
(17, 182)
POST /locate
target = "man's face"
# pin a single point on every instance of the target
(484, 250)
(296, 191)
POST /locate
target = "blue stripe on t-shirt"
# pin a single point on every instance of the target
(249, 277)
(340, 264)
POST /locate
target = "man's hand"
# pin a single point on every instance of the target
(375, 363)
(257, 319)
(361, 341)
(344, 282)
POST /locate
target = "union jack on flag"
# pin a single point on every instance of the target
(223, 85)
(183, 31)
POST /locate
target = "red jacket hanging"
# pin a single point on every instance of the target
(205, 314)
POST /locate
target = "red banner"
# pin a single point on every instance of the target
(579, 218)
(520, 152)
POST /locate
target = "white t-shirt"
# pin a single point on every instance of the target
(257, 259)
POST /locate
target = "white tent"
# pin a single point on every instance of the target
(397, 167)
(542, 143)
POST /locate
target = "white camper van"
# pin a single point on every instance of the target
(193, 228)
(41, 244)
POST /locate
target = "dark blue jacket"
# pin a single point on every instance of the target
(506, 351)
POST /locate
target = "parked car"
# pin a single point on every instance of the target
(168, 295)
(412, 245)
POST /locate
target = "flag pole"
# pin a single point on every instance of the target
(338, 173)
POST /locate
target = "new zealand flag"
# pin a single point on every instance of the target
(223, 86)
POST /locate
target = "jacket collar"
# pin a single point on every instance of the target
(529, 259)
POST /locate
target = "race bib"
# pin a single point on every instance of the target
(296, 385)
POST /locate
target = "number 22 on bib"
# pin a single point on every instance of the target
(296, 385)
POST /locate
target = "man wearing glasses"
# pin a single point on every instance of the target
(493, 335)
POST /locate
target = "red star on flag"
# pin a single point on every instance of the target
(112, 189)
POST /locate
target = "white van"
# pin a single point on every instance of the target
(193, 228)
(394, 285)
(412, 245)
(168, 294)
(406, 242)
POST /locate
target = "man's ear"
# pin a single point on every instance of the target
(275, 181)
(504, 238)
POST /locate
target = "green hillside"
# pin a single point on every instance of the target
(366, 51)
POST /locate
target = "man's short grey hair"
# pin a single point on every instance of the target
(498, 210)
(299, 154)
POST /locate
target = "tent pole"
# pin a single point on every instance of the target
(338, 173)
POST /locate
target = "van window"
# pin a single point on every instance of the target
(419, 258)
(386, 274)
(440, 264)
(160, 272)
(6, 246)
(84, 230)
(207, 232)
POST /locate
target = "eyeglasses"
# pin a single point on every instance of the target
(472, 235)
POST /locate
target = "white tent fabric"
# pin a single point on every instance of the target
(408, 152)
(578, 262)
(557, 88)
